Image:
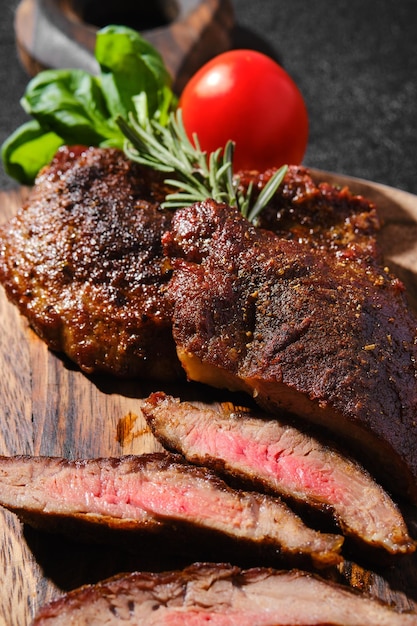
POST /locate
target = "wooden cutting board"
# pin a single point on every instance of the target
(49, 407)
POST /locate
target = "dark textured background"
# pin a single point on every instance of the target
(355, 62)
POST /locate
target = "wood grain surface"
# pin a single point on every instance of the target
(49, 407)
(62, 33)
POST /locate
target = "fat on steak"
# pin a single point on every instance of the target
(157, 493)
(326, 336)
(220, 595)
(273, 454)
(83, 262)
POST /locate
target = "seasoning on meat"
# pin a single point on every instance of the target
(320, 215)
(284, 460)
(327, 337)
(83, 262)
(156, 492)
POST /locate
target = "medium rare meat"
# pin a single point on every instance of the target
(83, 262)
(327, 337)
(219, 595)
(155, 492)
(282, 459)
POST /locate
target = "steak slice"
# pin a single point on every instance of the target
(326, 337)
(153, 492)
(219, 594)
(284, 460)
(83, 262)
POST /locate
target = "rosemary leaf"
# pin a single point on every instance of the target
(196, 188)
(196, 174)
(267, 193)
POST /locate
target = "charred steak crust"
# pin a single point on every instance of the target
(158, 492)
(219, 594)
(318, 214)
(325, 337)
(83, 262)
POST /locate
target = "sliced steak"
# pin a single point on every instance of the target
(284, 460)
(83, 262)
(150, 491)
(219, 594)
(326, 337)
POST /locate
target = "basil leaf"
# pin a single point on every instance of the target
(69, 103)
(167, 103)
(73, 107)
(27, 150)
(129, 65)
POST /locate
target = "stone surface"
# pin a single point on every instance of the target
(354, 61)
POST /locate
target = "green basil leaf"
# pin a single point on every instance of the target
(129, 65)
(27, 150)
(70, 106)
(69, 103)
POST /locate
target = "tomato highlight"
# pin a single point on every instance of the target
(245, 96)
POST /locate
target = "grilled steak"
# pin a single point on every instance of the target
(284, 460)
(323, 336)
(83, 262)
(219, 594)
(152, 492)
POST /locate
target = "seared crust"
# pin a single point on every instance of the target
(319, 215)
(328, 337)
(83, 262)
(83, 258)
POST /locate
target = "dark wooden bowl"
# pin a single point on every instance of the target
(62, 33)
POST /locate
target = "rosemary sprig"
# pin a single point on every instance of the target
(197, 176)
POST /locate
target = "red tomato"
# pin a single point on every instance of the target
(245, 96)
